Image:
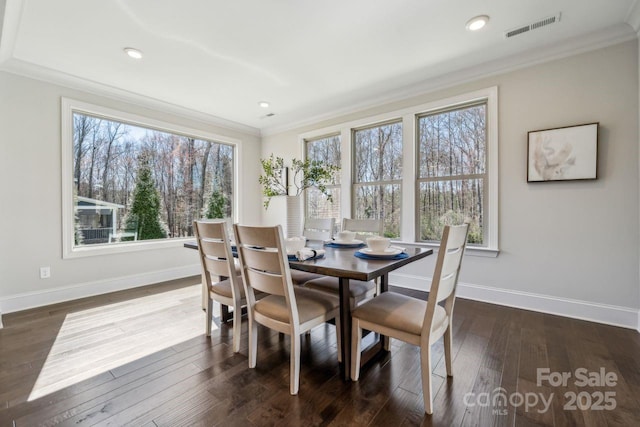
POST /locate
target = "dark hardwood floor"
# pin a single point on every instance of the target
(140, 358)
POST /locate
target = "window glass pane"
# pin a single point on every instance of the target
(318, 206)
(133, 183)
(453, 142)
(451, 202)
(378, 153)
(327, 151)
(380, 201)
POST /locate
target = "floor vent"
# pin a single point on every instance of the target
(533, 26)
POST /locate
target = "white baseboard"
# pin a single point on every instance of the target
(52, 296)
(626, 317)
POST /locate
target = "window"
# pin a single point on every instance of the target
(452, 172)
(424, 166)
(377, 175)
(327, 151)
(128, 182)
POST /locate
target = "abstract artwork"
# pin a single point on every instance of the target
(563, 154)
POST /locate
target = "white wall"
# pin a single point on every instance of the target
(576, 242)
(30, 202)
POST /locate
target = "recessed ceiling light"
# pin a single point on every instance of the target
(263, 104)
(133, 53)
(477, 22)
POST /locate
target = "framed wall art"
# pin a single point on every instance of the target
(563, 154)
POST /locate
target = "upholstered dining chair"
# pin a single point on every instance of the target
(318, 228)
(415, 321)
(288, 309)
(217, 261)
(358, 290)
(314, 229)
(363, 227)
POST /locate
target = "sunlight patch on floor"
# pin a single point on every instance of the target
(93, 341)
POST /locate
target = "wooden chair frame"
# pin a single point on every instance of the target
(216, 259)
(443, 288)
(265, 268)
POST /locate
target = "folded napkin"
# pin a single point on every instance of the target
(308, 253)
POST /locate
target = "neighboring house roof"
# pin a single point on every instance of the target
(85, 201)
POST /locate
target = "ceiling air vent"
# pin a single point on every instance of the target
(533, 26)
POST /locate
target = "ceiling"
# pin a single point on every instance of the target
(309, 60)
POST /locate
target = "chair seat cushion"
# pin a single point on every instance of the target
(311, 304)
(300, 277)
(357, 288)
(223, 288)
(399, 312)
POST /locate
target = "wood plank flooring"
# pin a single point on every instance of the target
(140, 358)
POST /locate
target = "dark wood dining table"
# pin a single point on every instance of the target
(343, 264)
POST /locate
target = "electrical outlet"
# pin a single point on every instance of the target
(45, 272)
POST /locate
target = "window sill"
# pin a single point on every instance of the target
(118, 248)
(470, 250)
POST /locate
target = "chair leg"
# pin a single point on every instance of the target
(209, 313)
(448, 339)
(425, 367)
(294, 374)
(356, 338)
(237, 325)
(338, 338)
(253, 343)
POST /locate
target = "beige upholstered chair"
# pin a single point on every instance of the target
(359, 290)
(415, 321)
(314, 229)
(286, 309)
(363, 227)
(318, 228)
(217, 261)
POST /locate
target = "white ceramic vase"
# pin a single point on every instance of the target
(294, 216)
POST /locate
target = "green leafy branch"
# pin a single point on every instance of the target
(305, 174)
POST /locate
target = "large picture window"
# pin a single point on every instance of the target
(452, 159)
(327, 151)
(133, 183)
(377, 175)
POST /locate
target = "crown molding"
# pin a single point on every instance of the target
(633, 16)
(37, 72)
(594, 41)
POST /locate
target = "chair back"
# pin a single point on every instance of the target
(363, 227)
(215, 252)
(318, 228)
(445, 277)
(264, 262)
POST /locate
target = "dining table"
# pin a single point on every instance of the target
(342, 263)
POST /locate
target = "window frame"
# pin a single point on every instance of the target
(484, 176)
(68, 108)
(305, 145)
(355, 184)
(409, 176)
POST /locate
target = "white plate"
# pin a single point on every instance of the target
(347, 242)
(387, 252)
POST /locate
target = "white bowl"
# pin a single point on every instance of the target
(346, 235)
(378, 243)
(294, 244)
